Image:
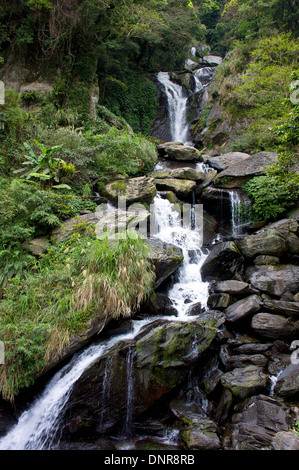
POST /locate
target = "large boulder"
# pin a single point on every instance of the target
(165, 257)
(286, 440)
(105, 221)
(275, 280)
(179, 151)
(268, 242)
(141, 189)
(245, 381)
(235, 176)
(274, 326)
(289, 230)
(180, 187)
(231, 287)
(255, 426)
(223, 262)
(222, 162)
(243, 307)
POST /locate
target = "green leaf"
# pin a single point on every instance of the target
(61, 186)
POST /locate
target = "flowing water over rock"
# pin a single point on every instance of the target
(189, 289)
(177, 108)
(39, 427)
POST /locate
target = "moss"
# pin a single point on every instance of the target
(119, 186)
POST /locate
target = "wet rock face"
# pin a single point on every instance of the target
(180, 152)
(137, 373)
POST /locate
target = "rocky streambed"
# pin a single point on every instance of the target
(225, 375)
(210, 361)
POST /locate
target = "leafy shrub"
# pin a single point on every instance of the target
(272, 196)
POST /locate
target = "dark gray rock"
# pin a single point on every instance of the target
(199, 432)
(178, 151)
(282, 307)
(269, 243)
(256, 424)
(222, 162)
(166, 259)
(287, 384)
(223, 262)
(219, 301)
(274, 326)
(243, 307)
(245, 381)
(275, 280)
(286, 440)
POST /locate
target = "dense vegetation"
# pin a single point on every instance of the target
(56, 152)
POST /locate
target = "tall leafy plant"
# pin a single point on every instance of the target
(45, 166)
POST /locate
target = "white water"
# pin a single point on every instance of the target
(190, 287)
(38, 427)
(203, 77)
(177, 108)
(240, 212)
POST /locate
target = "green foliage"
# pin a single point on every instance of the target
(28, 211)
(247, 20)
(272, 196)
(135, 99)
(253, 85)
(14, 116)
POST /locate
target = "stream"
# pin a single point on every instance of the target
(39, 426)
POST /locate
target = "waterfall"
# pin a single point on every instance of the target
(241, 214)
(130, 393)
(38, 427)
(203, 77)
(177, 108)
(189, 289)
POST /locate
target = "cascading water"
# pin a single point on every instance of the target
(203, 77)
(39, 427)
(240, 212)
(177, 108)
(189, 289)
